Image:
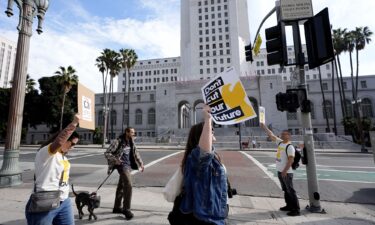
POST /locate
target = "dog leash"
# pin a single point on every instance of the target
(104, 180)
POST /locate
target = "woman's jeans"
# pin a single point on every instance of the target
(60, 216)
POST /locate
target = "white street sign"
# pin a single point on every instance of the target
(295, 9)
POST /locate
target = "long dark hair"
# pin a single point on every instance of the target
(123, 139)
(192, 141)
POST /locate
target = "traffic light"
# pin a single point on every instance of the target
(319, 39)
(249, 53)
(287, 102)
(276, 45)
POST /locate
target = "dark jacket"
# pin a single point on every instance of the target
(114, 152)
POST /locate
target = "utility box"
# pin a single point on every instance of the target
(372, 139)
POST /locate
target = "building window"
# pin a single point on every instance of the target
(345, 86)
(151, 116)
(138, 98)
(366, 106)
(291, 116)
(271, 86)
(312, 110)
(100, 118)
(125, 116)
(113, 117)
(138, 117)
(325, 86)
(152, 97)
(328, 109)
(363, 84)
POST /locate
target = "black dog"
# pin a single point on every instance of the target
(85, 198)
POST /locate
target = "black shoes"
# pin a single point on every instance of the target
(293, 213)
(117, 210)
(290, 211)
(285, 208)
(128, 214)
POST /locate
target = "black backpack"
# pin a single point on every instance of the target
(297, 156)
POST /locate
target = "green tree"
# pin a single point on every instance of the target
(67, 78)
(50, 102)
(30, 83)
(128, 59)
(103, 63)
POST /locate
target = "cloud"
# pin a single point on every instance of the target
(78, 42)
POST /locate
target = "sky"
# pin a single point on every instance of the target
(76, 31)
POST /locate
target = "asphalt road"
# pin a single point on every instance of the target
(343, 177)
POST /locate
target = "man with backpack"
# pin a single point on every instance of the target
(285, 158)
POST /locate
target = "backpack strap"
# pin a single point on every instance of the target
(286, 150)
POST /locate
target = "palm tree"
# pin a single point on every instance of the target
(114, 67)
(102, 64)
(30, 83)
(333, 98)
(129, 58)
(67, 78)
(361, 37)
(339, 47)
(324, 99)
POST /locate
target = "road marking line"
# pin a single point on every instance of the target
(263, 168)
(84, 156)
(346, 181)
(353, 167)
(156, 161)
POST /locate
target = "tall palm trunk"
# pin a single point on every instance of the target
(128, 122)
(340, 90)
(356, 113)
(359, 119)
(324, 100)
(105, 111)
(123, 110)
(333, 98)
(342, 85)
(110, 112)
(62, 110)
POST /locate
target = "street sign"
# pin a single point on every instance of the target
(295, 9)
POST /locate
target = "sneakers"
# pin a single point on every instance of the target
(117, 210)
(285, 208)
(293, 213)
(128, 214)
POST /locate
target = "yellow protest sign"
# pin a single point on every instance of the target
(257, 45)
(86, 103)
(227, 98)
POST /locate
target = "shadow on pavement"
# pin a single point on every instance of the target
(339, 221)
(252, 217)
(364, 196)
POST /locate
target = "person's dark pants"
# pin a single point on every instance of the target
(124, 191)
(290, 195)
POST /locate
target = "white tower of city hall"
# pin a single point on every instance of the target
(213, 36)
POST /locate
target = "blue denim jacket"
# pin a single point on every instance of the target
(205, 186)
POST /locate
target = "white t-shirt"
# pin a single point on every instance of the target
(48, 171)
(282, 157)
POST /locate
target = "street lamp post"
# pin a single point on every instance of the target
(10, 173)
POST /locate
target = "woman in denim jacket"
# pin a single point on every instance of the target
(205, 179)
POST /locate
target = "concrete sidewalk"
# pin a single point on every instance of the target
(150, 207)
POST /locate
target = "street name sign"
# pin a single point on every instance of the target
(295, 9)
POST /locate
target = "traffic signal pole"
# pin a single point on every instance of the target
(312, 181)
